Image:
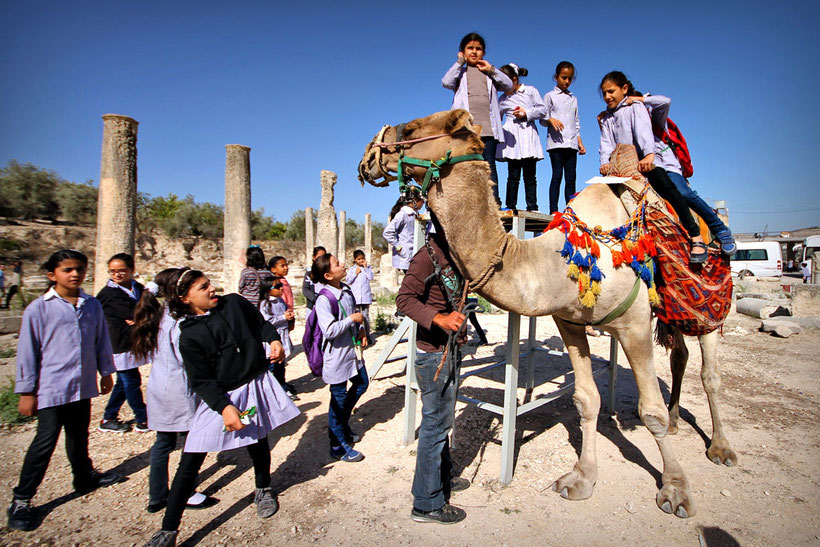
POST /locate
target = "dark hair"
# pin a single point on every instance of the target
(319, 268)
(514, 71)
(565, 64)
(181, 285)
(275, 260)
(317, 249)
(148, 314)
(619, 78)
(265, 285)
(66, 254)
(357, 253)
(125, 257)
(472, 37)
(255, 258)
(410, 195)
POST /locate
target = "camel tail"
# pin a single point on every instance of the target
(666, 335)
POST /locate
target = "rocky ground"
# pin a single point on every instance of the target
(770, 406)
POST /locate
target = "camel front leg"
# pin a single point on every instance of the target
(578, 483)
(677, 361)
(675, 495)
(719, 451)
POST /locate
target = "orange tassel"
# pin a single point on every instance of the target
(573, 238)
(596, 250)
(557, 220)
(617, 258)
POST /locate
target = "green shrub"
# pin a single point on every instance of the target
(386, 300)
(10, 244)
(384, 323)
(7, 353)
(8, 406)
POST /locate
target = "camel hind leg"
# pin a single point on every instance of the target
(675, 495)
(719, 450)
(678, 358)
(578, 483)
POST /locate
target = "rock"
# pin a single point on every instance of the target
(725, 493)
(10, 324)
(762, 309)
(327, 229)
(630, 507)
(785, 329)
(770, 325)
(388, 275)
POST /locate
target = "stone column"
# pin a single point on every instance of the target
(368, 238)
(117, 200)
(327, 235)
(237, 216)
(310, 237)
(342, 247)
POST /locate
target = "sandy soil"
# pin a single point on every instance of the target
(770, 408)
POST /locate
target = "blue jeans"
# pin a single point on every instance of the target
(431, 482)
(342, 401)
(490, 146)
(696, 203)
(563, 162)
(127, 387)
(165, 443)
(514, 168)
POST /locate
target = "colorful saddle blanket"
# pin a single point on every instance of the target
(692, 301)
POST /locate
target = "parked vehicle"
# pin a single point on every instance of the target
(758, 258)
(804, 251)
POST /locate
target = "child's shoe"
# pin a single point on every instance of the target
(113, 426)
(346, 454)
(163, 538)
(727, 242)
(97, 480)
(20, 515)
(141, 427)
(266, 504)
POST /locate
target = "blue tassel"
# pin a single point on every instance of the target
(619, 232)
(577, 259)
(567, 250)
(595, 273)
(646, 275)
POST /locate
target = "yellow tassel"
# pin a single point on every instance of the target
(588, 300)
(573, 272)
(583, 281)
(595, 287)
(654, 299)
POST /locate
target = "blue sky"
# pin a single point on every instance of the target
(307, 87)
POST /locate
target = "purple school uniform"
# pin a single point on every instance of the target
(665, 157)
(456, 79)
(563, 106)
(626, 124)
(360, 284)
(273, 310)
(521, 140)
(340, 361)
(399, 234)
(61, 348)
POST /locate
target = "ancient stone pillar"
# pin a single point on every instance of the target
(237, 216)
(368, 238)
(327, 235)
(117, 200)
(310, 237)
(342, 247)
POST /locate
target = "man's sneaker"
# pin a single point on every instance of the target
(98, 480)
(447, 514)
(458, 484)
(141, 427)
(163, 538)
(113, 426)
(20, 515)
(346, 454)
(266, 504)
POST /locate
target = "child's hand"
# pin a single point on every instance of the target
(630, 100)
(484, 66)
(519, 112)
(230, 415)
(277, 352)
(601, 117)
(556, 124)
(581, 149)
(460, 58)
(289, 315)
(363, 337)
(27, 405)
(358, 270)
(106, 385)
(357, 318)
(605, 169)
(645, 165)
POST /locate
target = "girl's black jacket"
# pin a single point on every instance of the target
(223, 349)
(117, 307)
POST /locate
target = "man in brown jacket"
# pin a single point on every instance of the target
(424, 298)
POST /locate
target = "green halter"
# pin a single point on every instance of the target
(433, 174)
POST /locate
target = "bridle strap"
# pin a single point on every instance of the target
(433, 174)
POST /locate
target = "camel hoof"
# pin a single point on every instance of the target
(681, 513)
(564, 493)
(673, 429)
(666, 507)
(721, 454)
(573, 486)
(674, 498)
(554, 486)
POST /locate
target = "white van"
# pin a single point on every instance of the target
(804, 251)
(758, 258)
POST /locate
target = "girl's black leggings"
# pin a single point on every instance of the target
(185, 479)
(663, 185)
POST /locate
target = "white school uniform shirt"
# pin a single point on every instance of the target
(456, 79)
(340, 361)
(665, 157)
(273, 310)
(626, 124)
(521, 138)
(563, 106)
(399, 234)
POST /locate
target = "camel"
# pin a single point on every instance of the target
(529, 277)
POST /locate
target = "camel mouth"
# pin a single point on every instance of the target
(370, 169)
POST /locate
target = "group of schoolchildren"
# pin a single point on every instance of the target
(217, 380)
(490, 93)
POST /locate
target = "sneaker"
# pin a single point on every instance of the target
(447, 514)
(352, 437)
(293, 396)
(113, 426)
(459, 484)
(141, 427)
(348, 454)
(98, 480)
(289, 388)
(20, 515)
(163, 538)
(156, 507)
(200, 501)
(266, 504)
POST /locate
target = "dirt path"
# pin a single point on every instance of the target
(770, 408)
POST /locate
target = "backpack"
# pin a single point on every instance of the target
(313, 342)
(673, 138)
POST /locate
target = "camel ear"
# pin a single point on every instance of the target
(459, 120)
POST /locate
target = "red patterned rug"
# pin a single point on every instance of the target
(694, 300)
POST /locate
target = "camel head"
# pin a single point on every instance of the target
(427, 138)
